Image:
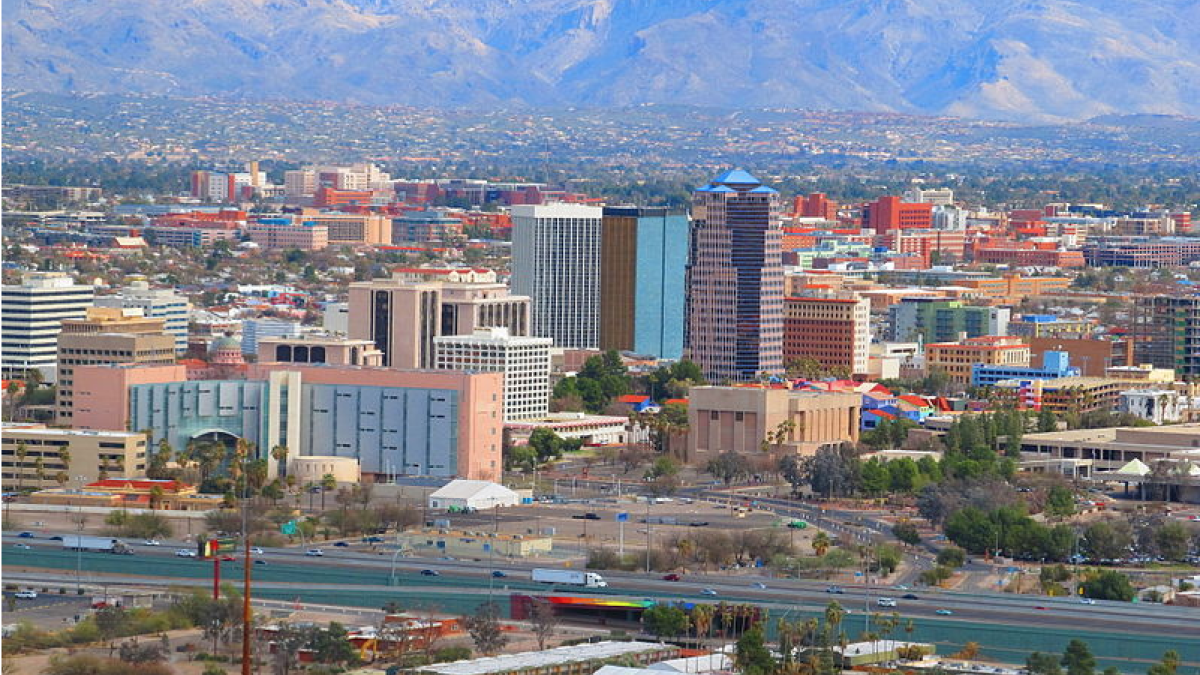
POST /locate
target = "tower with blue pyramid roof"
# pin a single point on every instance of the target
(735, 279)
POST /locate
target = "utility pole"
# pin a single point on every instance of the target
(246, 614)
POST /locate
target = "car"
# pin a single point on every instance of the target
(227, 558)
(707, 591)
(314, 553)
(25, 535)
(185, 553)
(909, 596)
(254, 550)
(1087, 601)
(498, 574)
(835, 589)
(886, 602)
(900, 587)
(372, 540)
(56, 538)
(759, 585)
(22, 546)
(944, 612)
(260, 561)
(1041, 607)
(671, 577)
(341, 544)
(698, 523)
(151, 542)
(26, 595)
(430, 573)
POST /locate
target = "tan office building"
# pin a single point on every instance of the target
(107, 335)
(93, 455)
(351, 229)
(957, 359)
(331, 349)
(403, 315)
(738, 419)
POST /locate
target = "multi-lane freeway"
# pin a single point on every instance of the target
(1007, 626)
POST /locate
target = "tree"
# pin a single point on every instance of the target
(833, 471)
(952, 556)
(1060, 502)
(22, 452)
(1168, 666)
(520, 457)
(665, 621)
(887, 559)
(662, 467)
(1078, 659)
(1046, 421)
(791, 467)
(279, 453)
(821, 543)
(328, 482)
(484, 629)
(1038, 663)
(332, 645)
(907, 532)
(1107, 540)
(1108, 585)
(728, 467)
(141, 652)
(1172, 540)
(543, 620)
(751, 656)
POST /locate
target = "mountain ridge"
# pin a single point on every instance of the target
(1018, 60)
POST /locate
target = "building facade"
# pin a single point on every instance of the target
(31, 318)
(402, 315)
(425, 423)
(833, 331)
(734, 328)
(1054, 365)
(739, 419)
(89, 456)
(556, 262)
(524, 361)
(274, 233)
(958, 359)
(938, 320)
(643, 266)
(331, 349)
(1166, 333)
(254, 330)
(156, 303)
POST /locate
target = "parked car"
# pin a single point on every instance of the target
(759, 585)
(314, 553)
(260, 561)
(372, 540)
(1087, 601)
(341, 544)
(498, 574)
(151, 542)
(909, 596)
(23, 546)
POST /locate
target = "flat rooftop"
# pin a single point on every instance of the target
(543, 659)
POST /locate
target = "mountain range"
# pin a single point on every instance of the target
(1019, 60)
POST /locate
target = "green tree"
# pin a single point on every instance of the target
(1038, 663)
(751, 656)
(1108, 585)
(876, 479)
(663, 467)
(728, 467)
(328, 482)
(1172, 539)
(484, 629)
(665, 621)
(1046, 421)
(952, 556)
(1060, 502)
(1078, 659)
(907, 532)
(1107, 540)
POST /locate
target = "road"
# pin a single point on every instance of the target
(1007, 626)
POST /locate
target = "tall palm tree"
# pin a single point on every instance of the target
(22, 453)
(64, 456)
(104, 465)
(280, 453)
(833, 617)
(39, 468)
(328, 482)
(821, 543)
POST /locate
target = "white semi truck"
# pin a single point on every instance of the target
(569, 577)
(82, 542)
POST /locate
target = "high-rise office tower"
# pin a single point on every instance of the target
(32, 313)
(556, 262)
(735, 279)
(643, 266)
(402, 315)
(156, 303)
(832, 329)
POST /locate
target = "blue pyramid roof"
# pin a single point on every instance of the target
(714, 188)
(737, 177)
(764, 189)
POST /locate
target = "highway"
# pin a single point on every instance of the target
(1007, 625)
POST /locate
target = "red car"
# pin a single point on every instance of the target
(228, 558)
(671, 577)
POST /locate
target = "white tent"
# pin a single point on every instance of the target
(472, 495)
(1135, 467)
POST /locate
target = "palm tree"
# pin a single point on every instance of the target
(821, 543)
(64, 456)
(22, 453)
(39, 468)
(156, 497)
(328, 482)
(104, 469)
(61, 478)
(702, 618)
(280, 453)
(833, 616)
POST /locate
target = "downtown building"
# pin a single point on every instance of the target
(556, 262)
(402, 315)
(31, 317)
(834, 330)
(1166, 333)
(734, 328)
(524, 361)
(156, 303)
(643, 267)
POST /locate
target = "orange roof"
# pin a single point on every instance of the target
(675, 401)
(139, 484)
(915, 400)
(632, 398)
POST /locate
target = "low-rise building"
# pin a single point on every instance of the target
(125, 493)
(739, 419)
(467, 544)
(472, 495)
(1054, 365)
(1161, 406)
(582, 659)
(959, 359)
(334, 350)
(54, 457)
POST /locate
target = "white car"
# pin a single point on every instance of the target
(151, 542)
(185, 553)
(26, 595)
(254, 550)
(886, 602)
(21, 546)
(314, 552)
(1087, 601)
